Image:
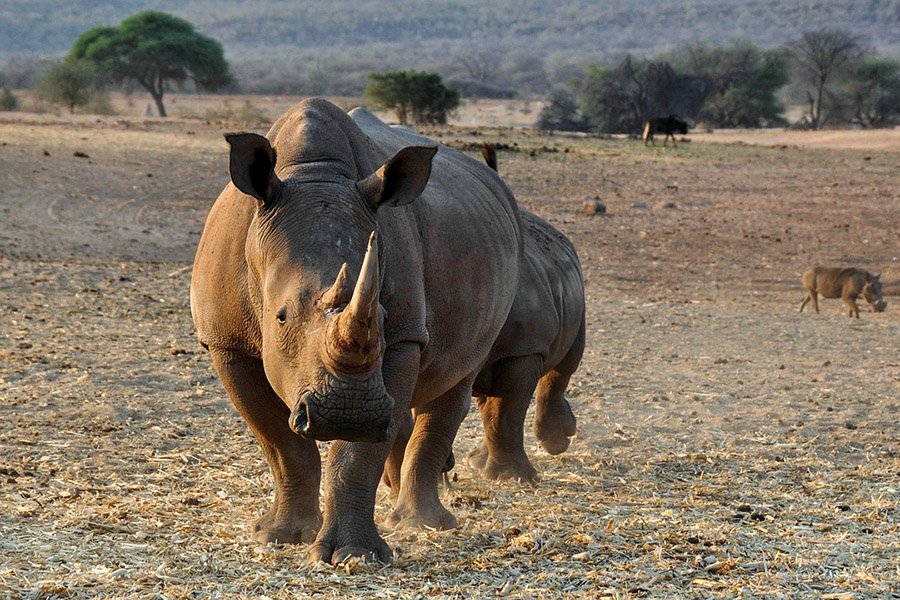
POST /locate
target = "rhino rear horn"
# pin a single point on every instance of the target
(401, 179)
(252, 165)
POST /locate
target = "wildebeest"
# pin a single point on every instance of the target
(668, 125)
(348, 273)
(845, 283)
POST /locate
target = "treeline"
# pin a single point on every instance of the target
(330, 46)
(735, 85)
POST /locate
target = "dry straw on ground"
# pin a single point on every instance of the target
(727, 447)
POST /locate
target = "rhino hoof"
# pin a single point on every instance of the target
(324, 552)
(522, 472)
(270, 529)
(556, 445)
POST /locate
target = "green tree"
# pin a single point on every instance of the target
(71, 82)
(870, 94)
(8, 100)
(561, 112)
(620, 99)
(415, 95)
(155, 50)
(739, 83)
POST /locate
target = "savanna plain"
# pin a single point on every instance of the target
(728, 446)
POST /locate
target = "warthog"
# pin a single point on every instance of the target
(847, 284)
(668, 125)
(349, 273)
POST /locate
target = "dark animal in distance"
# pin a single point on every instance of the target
(845, 283)
(668, 125)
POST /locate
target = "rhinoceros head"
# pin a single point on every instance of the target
(315, 282)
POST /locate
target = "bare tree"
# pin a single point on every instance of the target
(818, 54)
(481, 64)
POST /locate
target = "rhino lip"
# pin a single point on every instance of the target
(306, 421)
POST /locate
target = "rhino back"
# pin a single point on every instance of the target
(549, 305)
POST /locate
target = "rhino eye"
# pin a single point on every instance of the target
(281, 315)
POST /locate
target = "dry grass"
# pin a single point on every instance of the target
(727, 447)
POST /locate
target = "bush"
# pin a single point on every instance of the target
(415, 95)
(99, 104)
(8, 100)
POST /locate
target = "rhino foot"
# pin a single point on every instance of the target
(374, 551)
(519, 470)
(554, 428)
(433, 517)
(272, 529)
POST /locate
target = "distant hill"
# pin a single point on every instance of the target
(335, 42)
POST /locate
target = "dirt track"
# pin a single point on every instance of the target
(714, 421)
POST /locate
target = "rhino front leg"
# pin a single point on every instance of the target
(294, 461)
(436, 424)
(354, 469)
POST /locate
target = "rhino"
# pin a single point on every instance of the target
(348, 273)
(540, 346)
(845, 283)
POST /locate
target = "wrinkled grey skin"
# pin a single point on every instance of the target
(320, 329)
(845, 283)
(540, 346)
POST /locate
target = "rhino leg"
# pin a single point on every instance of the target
(391, 477)
(503, 417)
(554, 422)
(436, 424)
(478, 457)
(353, 471)
(294, 461)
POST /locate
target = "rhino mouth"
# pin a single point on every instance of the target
(359, 420)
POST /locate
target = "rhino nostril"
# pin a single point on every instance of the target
(299, 419)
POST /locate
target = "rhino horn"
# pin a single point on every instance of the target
(339, 293)
(355, 334)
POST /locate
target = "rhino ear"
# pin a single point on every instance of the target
(252, 165)
(400, 180)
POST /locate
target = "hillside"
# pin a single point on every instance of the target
(317, 39)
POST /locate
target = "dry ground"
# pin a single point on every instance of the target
(728, 446)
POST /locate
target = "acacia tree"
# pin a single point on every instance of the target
(415, 95)
(155, 50)
(818, 55)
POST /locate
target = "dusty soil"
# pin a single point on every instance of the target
(728, 446)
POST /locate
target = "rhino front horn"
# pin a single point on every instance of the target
(355, 335)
